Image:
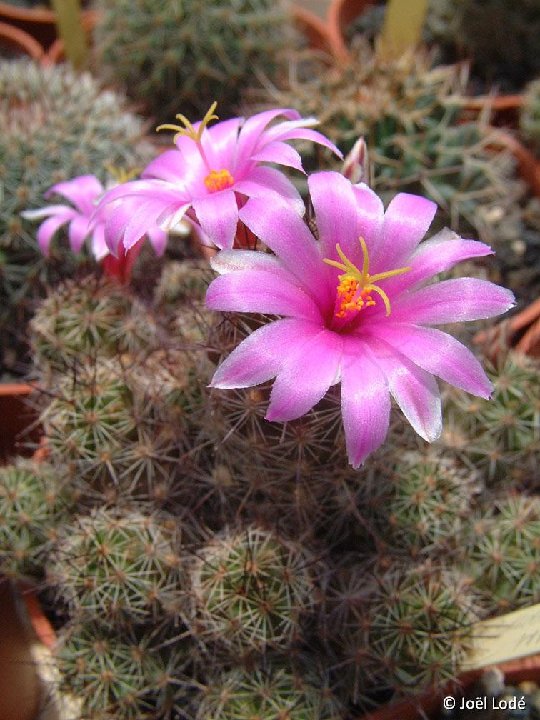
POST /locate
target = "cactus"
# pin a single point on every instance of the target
(121, 675)
(86, 318)
(251, 588)
(32, 506)
(420, 140)
(530, 114)
(267, 694)
(504, 553)
(174, 56)
(117, 565)
(401, 630)
(54, 125)
(493, 434)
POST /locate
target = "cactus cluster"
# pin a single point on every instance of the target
(210, 564)
(54, 124)
(172, 55)
(420, 138)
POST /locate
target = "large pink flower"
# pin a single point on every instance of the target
(356, 309)
(209, 172)
(83, 193)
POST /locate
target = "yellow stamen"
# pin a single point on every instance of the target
(121, 175)
(218, 180)
(355, 286)
(187, 129)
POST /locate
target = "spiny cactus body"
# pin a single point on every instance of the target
(32, 505)
(117, 565)
(55, 124)
(176, 56)
(251, 589)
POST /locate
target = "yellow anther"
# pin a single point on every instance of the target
(187, 129)
(218, 180)
(121, 175)
(355, 285)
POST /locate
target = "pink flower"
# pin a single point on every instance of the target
(209, 175)
(356, 309)
(83, 192)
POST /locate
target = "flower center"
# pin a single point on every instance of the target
(218, 180)
(356, 287)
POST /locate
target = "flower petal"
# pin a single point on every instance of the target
(78, 232)
(158, 239)
(250, 135)
(265, 182)
(365, 402)
(336, 213)
(219, 143)
(98, 244)
(309, 369)
(287, 235)
(82, 191)
(48, 228)
(437, 353)
(170, 166)
(232, 260)
(217, 215)
(406, 221)
(415, 390)
(436, 255)
(280, 153)
(452, 301)
(260, 356)
(261, 292)
(48, 212)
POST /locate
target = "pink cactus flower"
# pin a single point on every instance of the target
(209, 175)
(84, 193)
(356, 309)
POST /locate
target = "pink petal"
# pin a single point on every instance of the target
(158, 238)
(217, 215)
(406, 221)
(78, 232)
(365, 403)
(287, 235)
(266, 182)
(48, 228)
(415, 390)
(253, 127)
(219, 144)
(48, 211)
(337, 215)
(437, 353)
(452, 301)
(145, 215)
(170, 166)
(98, 244)
(280, 153)
(260, 356)
(308, 370)
(436, 255)
(233, 260)
(82, 191)
(261, 292)
(298, 130)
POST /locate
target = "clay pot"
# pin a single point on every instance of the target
(21, 690)
(19, 41)
(313, 28)
(15, 419)
(427, 705)
(340, 14)
(39, 23)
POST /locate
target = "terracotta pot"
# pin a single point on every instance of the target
(15, 419)
(21, 691)
(340, 14)
(521, 332)
(37, 22)
(15, 39)
(313, 28)
(428, 705)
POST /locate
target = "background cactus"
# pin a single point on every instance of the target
(54, 125)
(251, 588)
(420, 138)
(176, 56)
